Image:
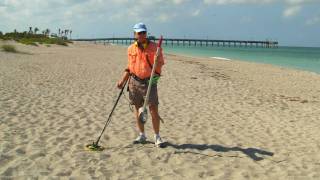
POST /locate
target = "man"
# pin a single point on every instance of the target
(140, 61)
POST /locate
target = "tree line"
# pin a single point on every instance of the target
(34, 32)
(33, 37)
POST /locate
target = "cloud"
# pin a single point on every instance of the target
(313, 21)
(301, 1)
(21, 14)
(292, 7)
(179, 1)
(292, 2)
(221, 2)
(72, 11)
(195, 13)
(163, 17)
(291, 11)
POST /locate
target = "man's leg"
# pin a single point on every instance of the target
(140, 126)
(155, 118)
(142, 137)
(156, 125)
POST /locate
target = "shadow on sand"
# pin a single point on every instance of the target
(250, 152)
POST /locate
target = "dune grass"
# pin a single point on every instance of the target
(12, 49)
(9, 48)
(34, 39)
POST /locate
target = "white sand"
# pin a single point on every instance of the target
(223, 119)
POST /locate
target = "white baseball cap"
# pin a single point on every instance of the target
(139, 27)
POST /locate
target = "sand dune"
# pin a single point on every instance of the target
(223, 119)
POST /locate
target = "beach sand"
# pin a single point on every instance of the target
(223, 119)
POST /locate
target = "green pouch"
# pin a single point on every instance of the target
(154, 80)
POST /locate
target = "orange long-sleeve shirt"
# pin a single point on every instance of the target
(138, 60)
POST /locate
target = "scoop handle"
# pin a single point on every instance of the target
(160, 41)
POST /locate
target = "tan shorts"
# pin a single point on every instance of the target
(138, 91)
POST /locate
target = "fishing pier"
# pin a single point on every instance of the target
(190, 42)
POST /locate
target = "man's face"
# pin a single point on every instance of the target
(141, 36)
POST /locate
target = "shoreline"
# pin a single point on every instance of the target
(248, 61)
(243, 60)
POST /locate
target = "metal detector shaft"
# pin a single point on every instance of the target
(114, 107)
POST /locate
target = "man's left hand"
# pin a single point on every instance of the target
(154, 79)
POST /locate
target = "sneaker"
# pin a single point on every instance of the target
(141, 139)
(159, 142)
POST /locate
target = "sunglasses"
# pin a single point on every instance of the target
(142, 32)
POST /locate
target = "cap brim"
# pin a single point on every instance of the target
(139, 30)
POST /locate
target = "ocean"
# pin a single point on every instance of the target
(301, 58)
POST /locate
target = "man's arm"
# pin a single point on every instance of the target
(124, 78)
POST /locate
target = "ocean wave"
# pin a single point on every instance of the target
(221, 58)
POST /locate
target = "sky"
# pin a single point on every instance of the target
(291, 22)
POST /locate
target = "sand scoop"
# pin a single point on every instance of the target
(143, 112)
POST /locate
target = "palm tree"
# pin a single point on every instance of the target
(66, 31)
(36, 30)
(47, 32)
(30, 30)
(70, 33)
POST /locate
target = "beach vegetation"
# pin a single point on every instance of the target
(9, 48)
(32, 37)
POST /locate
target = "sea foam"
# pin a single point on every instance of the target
(221, 58)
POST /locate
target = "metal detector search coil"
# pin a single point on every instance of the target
(94, 147)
